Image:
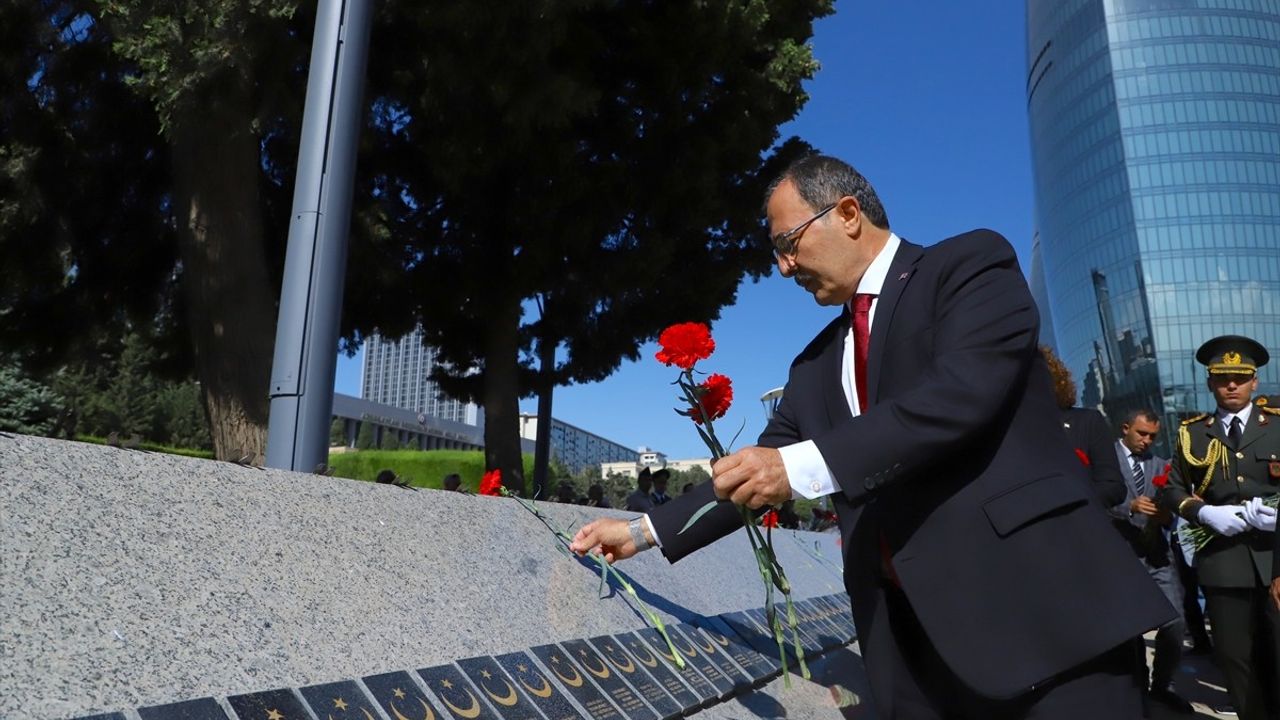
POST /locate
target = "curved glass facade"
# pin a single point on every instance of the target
(1155, 132)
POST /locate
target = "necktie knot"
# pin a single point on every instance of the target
(862, 302)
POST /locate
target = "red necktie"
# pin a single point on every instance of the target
(861, 338)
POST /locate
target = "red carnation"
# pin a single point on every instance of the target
(716, 395)
(1163, 478)
(684, 344)
(769, 519)
(491, 483)
(1084, 459)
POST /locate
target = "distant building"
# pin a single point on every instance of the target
(653, 460)
(412, 430)
(575, 447)
(397, 373)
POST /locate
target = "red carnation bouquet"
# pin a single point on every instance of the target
(682, 346)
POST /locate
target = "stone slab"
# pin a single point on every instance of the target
(133, 579)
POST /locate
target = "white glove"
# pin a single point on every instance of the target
(1259, 515)
(1224, 519)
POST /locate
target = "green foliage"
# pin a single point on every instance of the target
(422, 468)
(390, 439)
(182, 418)
(338, 432)
(154, 447)
(364, 436)
(28, 406)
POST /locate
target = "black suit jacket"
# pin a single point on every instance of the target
(1005, 555)
(1087, 431)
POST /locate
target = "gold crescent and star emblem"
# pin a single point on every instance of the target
(470, 712)
(427, 713)
(709, 648)
(626, 667)
(274, 714)
(542, 692)
(508, 699)
(690, 652)
(718, 638)
(575, 681)
(602, 673)
(1231, 358)
(636, 650)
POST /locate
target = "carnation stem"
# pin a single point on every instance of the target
(606, 571)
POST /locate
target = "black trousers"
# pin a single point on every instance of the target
(913, 683)
(1246, 647)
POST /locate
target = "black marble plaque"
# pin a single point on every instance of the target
(573, 680)
(725, 684)
(752, 634)
(614, 684)
(811, 616)
(629, 668)
(686, 698)
(548, 696)
(338, 701)
(810, 645)
(460, 700)
(102, 716)
(201, 709)
(758, 666)
(269, 705)
(689, 674)
(836, 619)
(841, 615)
(400, 697)
(713, 652)
(485, 674)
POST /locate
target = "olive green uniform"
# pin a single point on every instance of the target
(1236, 571)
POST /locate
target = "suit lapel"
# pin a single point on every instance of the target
(1253, 430)
(833, 370)
(900, 271)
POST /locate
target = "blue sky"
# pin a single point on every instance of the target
(927, 99)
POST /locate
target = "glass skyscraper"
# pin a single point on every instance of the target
(1155, 132)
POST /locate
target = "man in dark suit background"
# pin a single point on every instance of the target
(1087, 432)
(1145, 526)
(984, 576)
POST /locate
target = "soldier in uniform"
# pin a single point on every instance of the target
(1224, 464)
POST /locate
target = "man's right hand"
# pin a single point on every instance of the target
(1143, 505)
(606, 536)
(1224, 519)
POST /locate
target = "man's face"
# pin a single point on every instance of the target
(644, 483)
(1233, 391)
(660, 485)
(826, 261)
(1139, 435)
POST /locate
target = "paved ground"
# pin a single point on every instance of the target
(1199, 682)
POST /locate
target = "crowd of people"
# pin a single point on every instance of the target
(1218, 478)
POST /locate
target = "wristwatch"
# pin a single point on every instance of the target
(636, 527)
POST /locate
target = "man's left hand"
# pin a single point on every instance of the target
(752, 476)
(1259, 515)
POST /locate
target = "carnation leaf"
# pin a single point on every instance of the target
(698, 515)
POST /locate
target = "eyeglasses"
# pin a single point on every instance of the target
(784, 243)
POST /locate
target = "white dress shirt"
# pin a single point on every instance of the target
(1224, 417)
(806, 470)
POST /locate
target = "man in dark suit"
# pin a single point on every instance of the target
(1087, 432)
(986, 581)
(1225, 463)
(1145, 526)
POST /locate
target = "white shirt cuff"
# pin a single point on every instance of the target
(653, 532)
(806, 470)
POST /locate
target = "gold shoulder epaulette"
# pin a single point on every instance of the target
(1270, 410)
(1197, 418)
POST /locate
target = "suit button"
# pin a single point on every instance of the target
(1239, 478)
(1240, 455)
(816, 487)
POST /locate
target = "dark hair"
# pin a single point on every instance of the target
(822, 179)
(1064, 388)
(1144, 413)
(386, 477)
